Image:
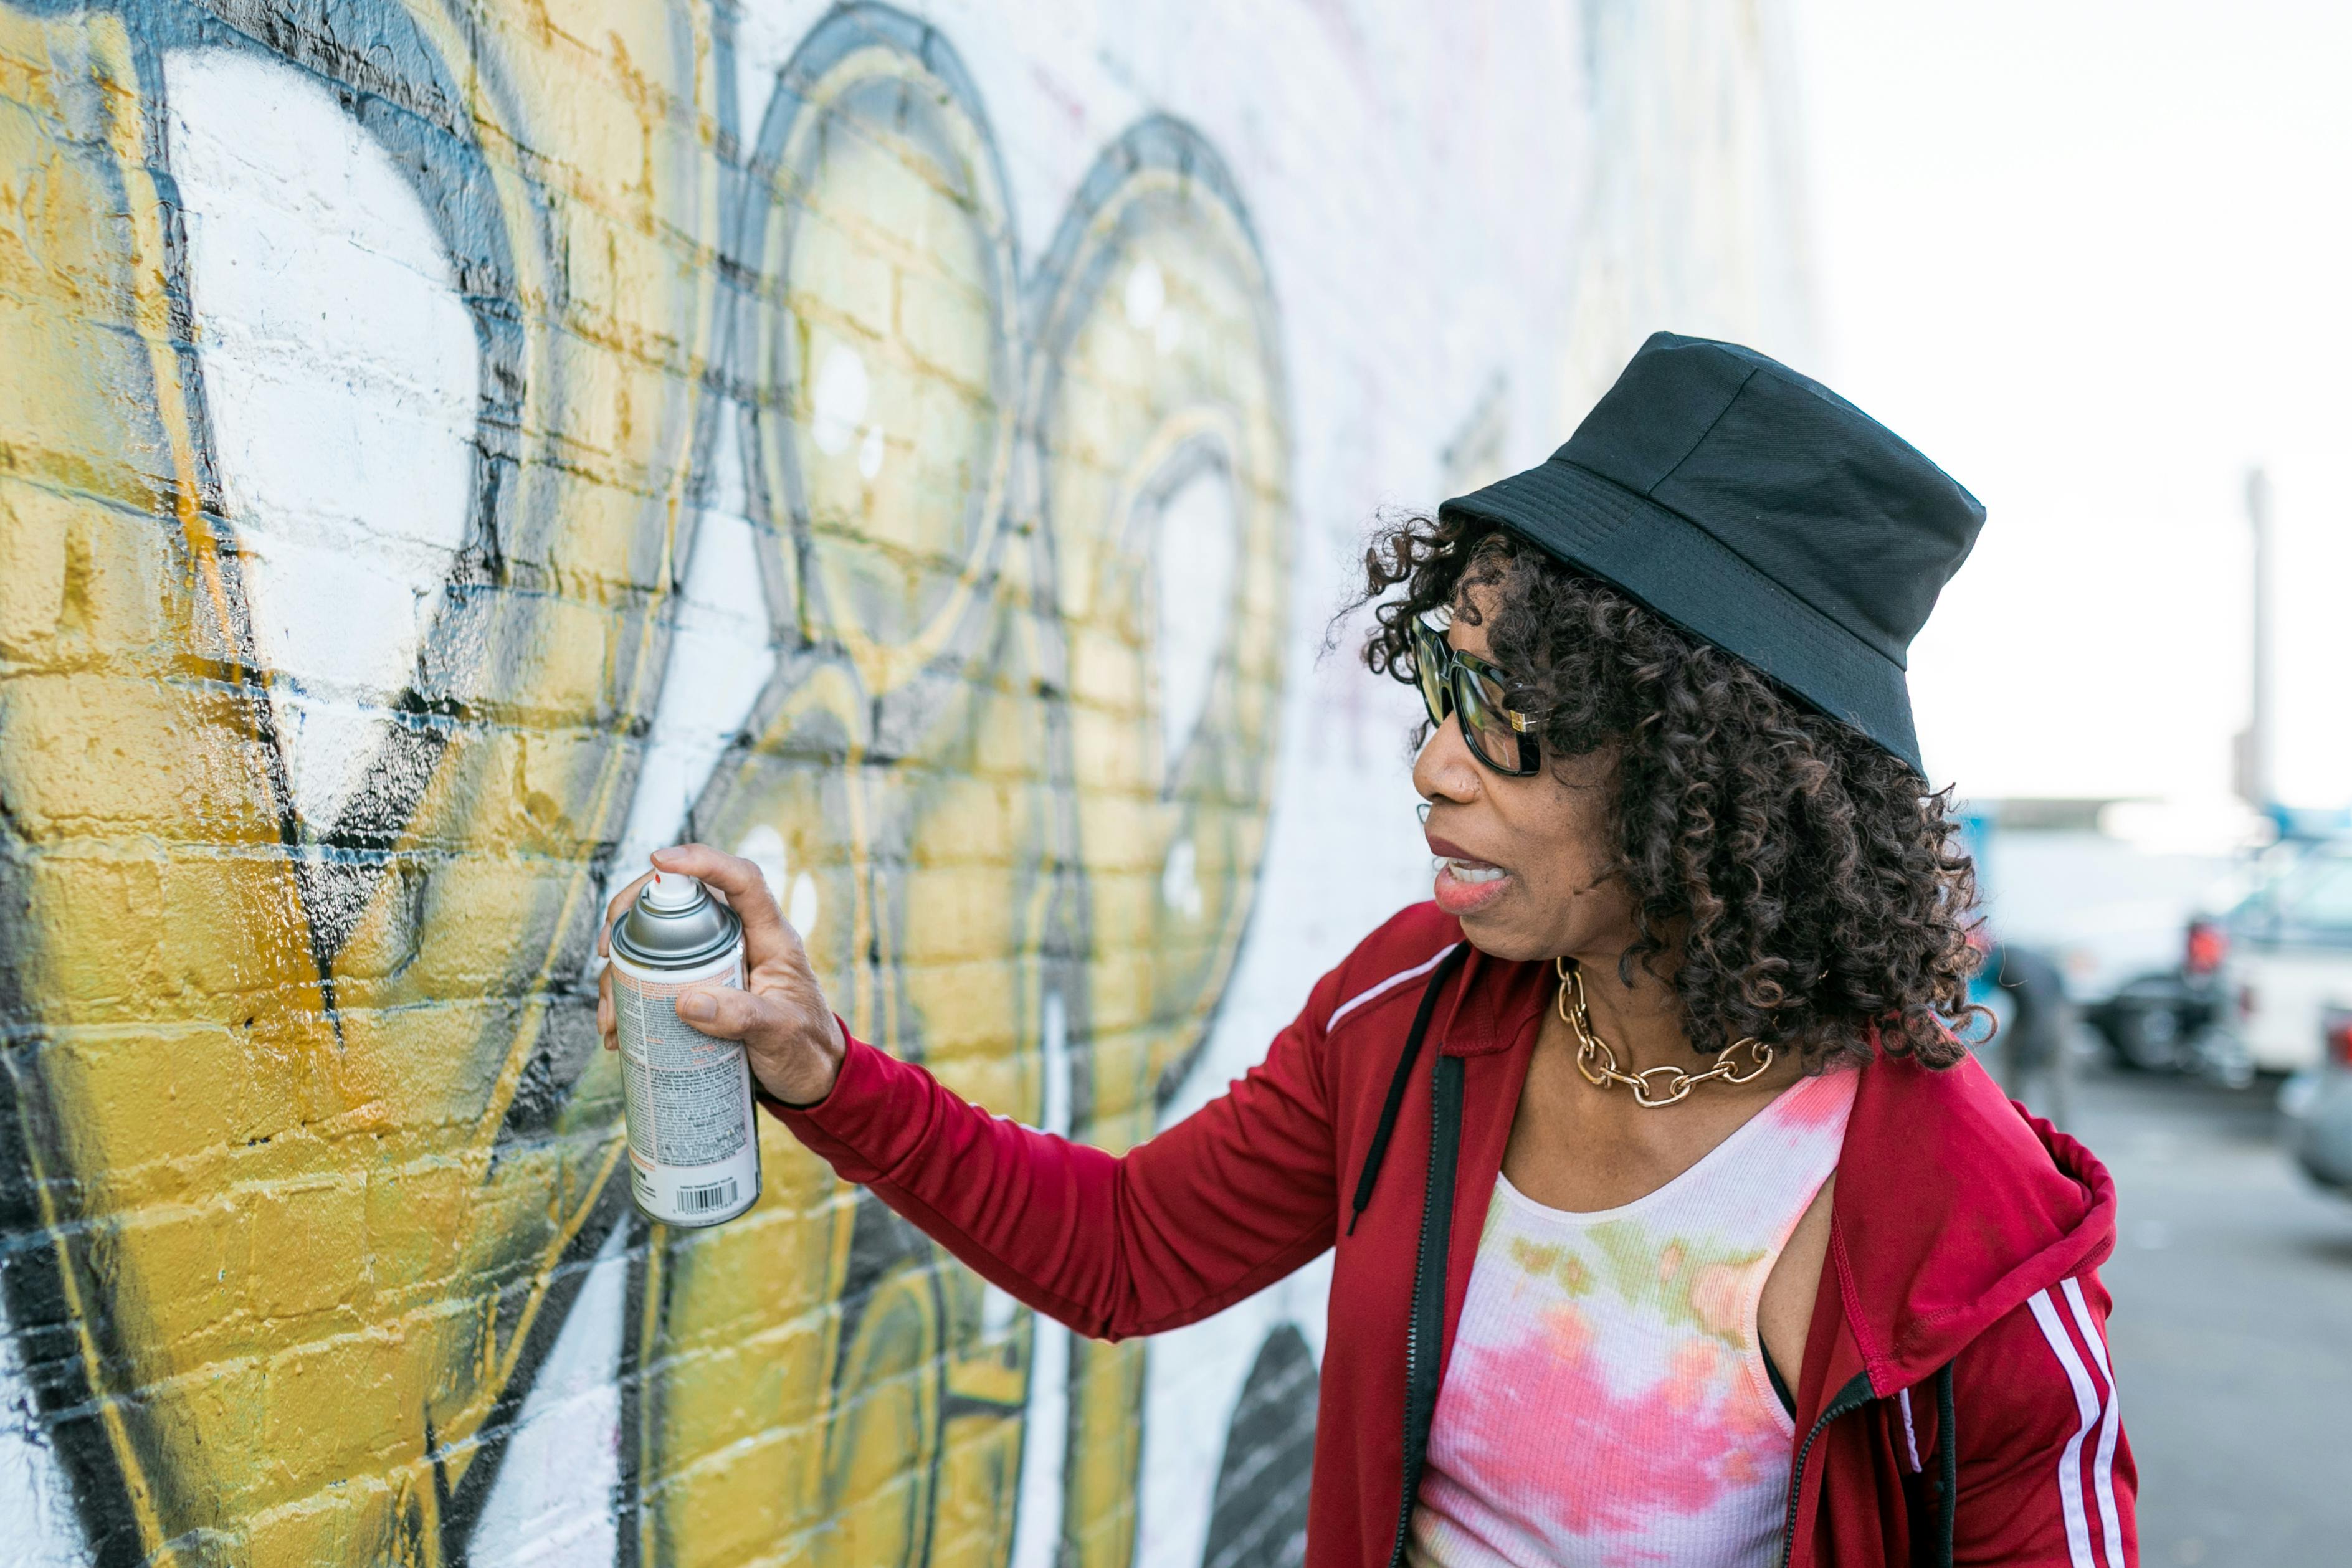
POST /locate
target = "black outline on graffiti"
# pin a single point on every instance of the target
(393, 82)
(390, 80)
(1070, 278)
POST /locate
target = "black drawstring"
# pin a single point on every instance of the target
(1947, 1462)
(1396, 1102)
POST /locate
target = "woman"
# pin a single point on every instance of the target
(1671, 1222)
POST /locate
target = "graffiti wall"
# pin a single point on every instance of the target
(447, 450)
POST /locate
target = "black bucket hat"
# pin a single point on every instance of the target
(1759, 511)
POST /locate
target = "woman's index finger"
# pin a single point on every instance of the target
(747, 890)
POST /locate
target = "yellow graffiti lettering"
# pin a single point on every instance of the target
(781, 501)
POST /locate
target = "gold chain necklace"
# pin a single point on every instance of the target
(1599, 1063)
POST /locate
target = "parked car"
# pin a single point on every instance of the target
(2255, 969)
(2318, 1105)
(2161, 1022)
(2287, 957)
(2178, 1019)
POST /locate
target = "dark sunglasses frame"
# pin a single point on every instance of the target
(1448, 679)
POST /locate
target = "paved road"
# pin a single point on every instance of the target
(2232, 1329)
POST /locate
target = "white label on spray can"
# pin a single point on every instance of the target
(693, 1148)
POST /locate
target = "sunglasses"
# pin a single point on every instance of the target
(1459, 682)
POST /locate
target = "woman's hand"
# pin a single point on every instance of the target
(779, 1015)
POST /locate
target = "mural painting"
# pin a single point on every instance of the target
(444, 453)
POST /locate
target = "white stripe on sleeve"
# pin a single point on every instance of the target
(1391, 983)
(2086, 1406)
(2103, 1473)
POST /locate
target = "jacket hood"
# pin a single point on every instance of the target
(1954, 1206)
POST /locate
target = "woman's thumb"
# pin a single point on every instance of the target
(720, 1012)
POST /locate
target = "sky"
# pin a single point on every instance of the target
(2091, 257)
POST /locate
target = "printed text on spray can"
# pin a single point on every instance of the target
(694, 1155)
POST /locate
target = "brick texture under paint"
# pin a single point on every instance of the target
(444, 455)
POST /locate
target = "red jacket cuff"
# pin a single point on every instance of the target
(849, 1127)
(786, 1107)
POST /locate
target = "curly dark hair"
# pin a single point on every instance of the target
(1801, 880)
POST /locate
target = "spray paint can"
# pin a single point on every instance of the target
(694, 1147)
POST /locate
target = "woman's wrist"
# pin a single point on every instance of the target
(805, 1079)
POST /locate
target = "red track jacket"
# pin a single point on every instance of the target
(1965, 1234)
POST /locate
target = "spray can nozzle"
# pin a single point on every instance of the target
(674, 920)
(669, 890)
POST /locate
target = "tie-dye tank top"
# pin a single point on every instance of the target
(1606, 1402)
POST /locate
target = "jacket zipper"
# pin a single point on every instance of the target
(1851, 1397)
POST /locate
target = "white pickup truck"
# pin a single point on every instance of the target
(2289, 957)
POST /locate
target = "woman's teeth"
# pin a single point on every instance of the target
(1473, 871)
